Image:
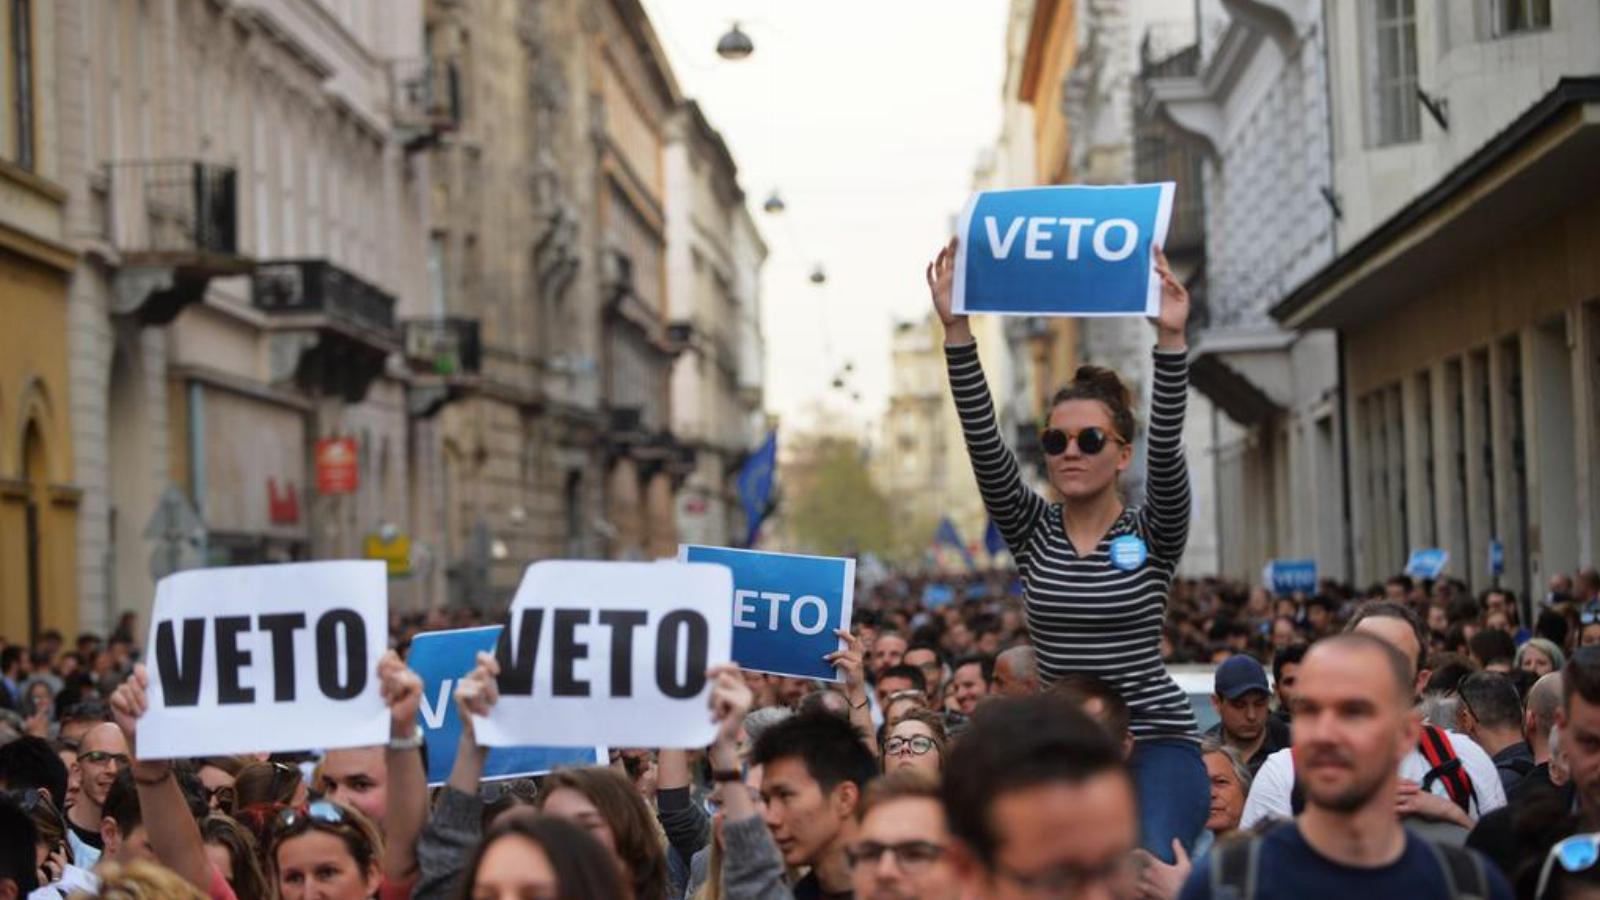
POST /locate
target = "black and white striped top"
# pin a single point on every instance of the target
(1085, 614)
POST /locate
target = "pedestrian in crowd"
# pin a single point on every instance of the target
(916, 741)
(1539, 656)
(888, 650)
(527, 856)
(1285, 675)
(102, 753)
(1355, 724)
(13, 672)
(901, 847)
(930, 659)
(1493, 650)
(898, 704)
(233, 850)
(1230, 784)
(1543, 708)
(1040, 803)
(326, 851)
(814, 768)
(1241, 696)
(271, 783)
(970, 681)
(1102, 703)
(1491, 714)
(1446, 782)
(601, 801)
(1015, 673)
(218, 774)
(899, 678)
(1096, 573)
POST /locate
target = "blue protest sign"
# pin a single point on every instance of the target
(1286, 576)
(785, 608)
(936, 595)
(1074, 250)
(1497, 558)
(441, 658)
(1428, 563)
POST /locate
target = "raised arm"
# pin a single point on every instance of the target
(407, 810)
(1166, 509)
(456, 823)
(1014, 507)
(174, 835)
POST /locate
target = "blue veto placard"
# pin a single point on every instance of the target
(1497, 558)
(442, 658)
(1074, 250)
(1286, 576)
(1428, 563)
(785, 608)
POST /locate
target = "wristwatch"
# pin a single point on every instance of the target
(414, 742)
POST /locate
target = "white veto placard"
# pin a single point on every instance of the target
(613, 654)
(266, 658)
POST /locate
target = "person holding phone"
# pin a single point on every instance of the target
(1096, 573)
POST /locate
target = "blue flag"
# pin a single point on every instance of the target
(992, 540)
(947, 534)
(1073, 250)
(755, 485)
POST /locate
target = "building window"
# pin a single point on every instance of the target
(18, 144)
(1518, 16)
(1396, 114)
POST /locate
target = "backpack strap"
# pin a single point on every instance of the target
(1297, 797)
(1464, 876)
(1233, 869)
(1445, 765)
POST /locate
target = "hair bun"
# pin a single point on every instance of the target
(1104, 383)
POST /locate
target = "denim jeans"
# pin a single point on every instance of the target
(1174, 794)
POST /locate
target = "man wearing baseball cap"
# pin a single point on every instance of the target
(1241, 696)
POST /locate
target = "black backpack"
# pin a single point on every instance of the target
(1236, 864)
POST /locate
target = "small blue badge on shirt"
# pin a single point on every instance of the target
(1128, 552)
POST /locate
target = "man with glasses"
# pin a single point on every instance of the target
(102, 753)
(1040, 804)
(899, 852)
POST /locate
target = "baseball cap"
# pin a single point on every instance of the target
(1239, 675)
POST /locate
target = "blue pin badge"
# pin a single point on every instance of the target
(1128, 552)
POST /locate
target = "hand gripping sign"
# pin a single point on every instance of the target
(785, 608)
(610, 654)
(441, 659)
(1074, 250)
(266, 658)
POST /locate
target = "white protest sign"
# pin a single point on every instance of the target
(266, 658)
(613, 654)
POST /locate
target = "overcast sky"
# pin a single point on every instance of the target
(867, 116)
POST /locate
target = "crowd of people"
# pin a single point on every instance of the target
(996, 735)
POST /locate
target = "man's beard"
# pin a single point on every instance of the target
(1354, 796)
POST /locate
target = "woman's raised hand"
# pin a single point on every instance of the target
(941, 276)
(1174, 315)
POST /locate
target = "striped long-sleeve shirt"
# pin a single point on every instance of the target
(1084, 613)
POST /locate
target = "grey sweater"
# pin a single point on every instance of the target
(446, 843)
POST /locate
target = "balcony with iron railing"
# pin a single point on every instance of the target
(332, 330)
(173, 225)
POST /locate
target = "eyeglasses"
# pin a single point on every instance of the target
(220, 797)
(919, 745)
(911, 856)
(1576, 854)
(1090, 440)
(101, 757)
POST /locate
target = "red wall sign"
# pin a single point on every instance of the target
(337, 472)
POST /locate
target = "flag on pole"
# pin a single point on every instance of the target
(755, 485)
(947, 534)
(992, 541)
